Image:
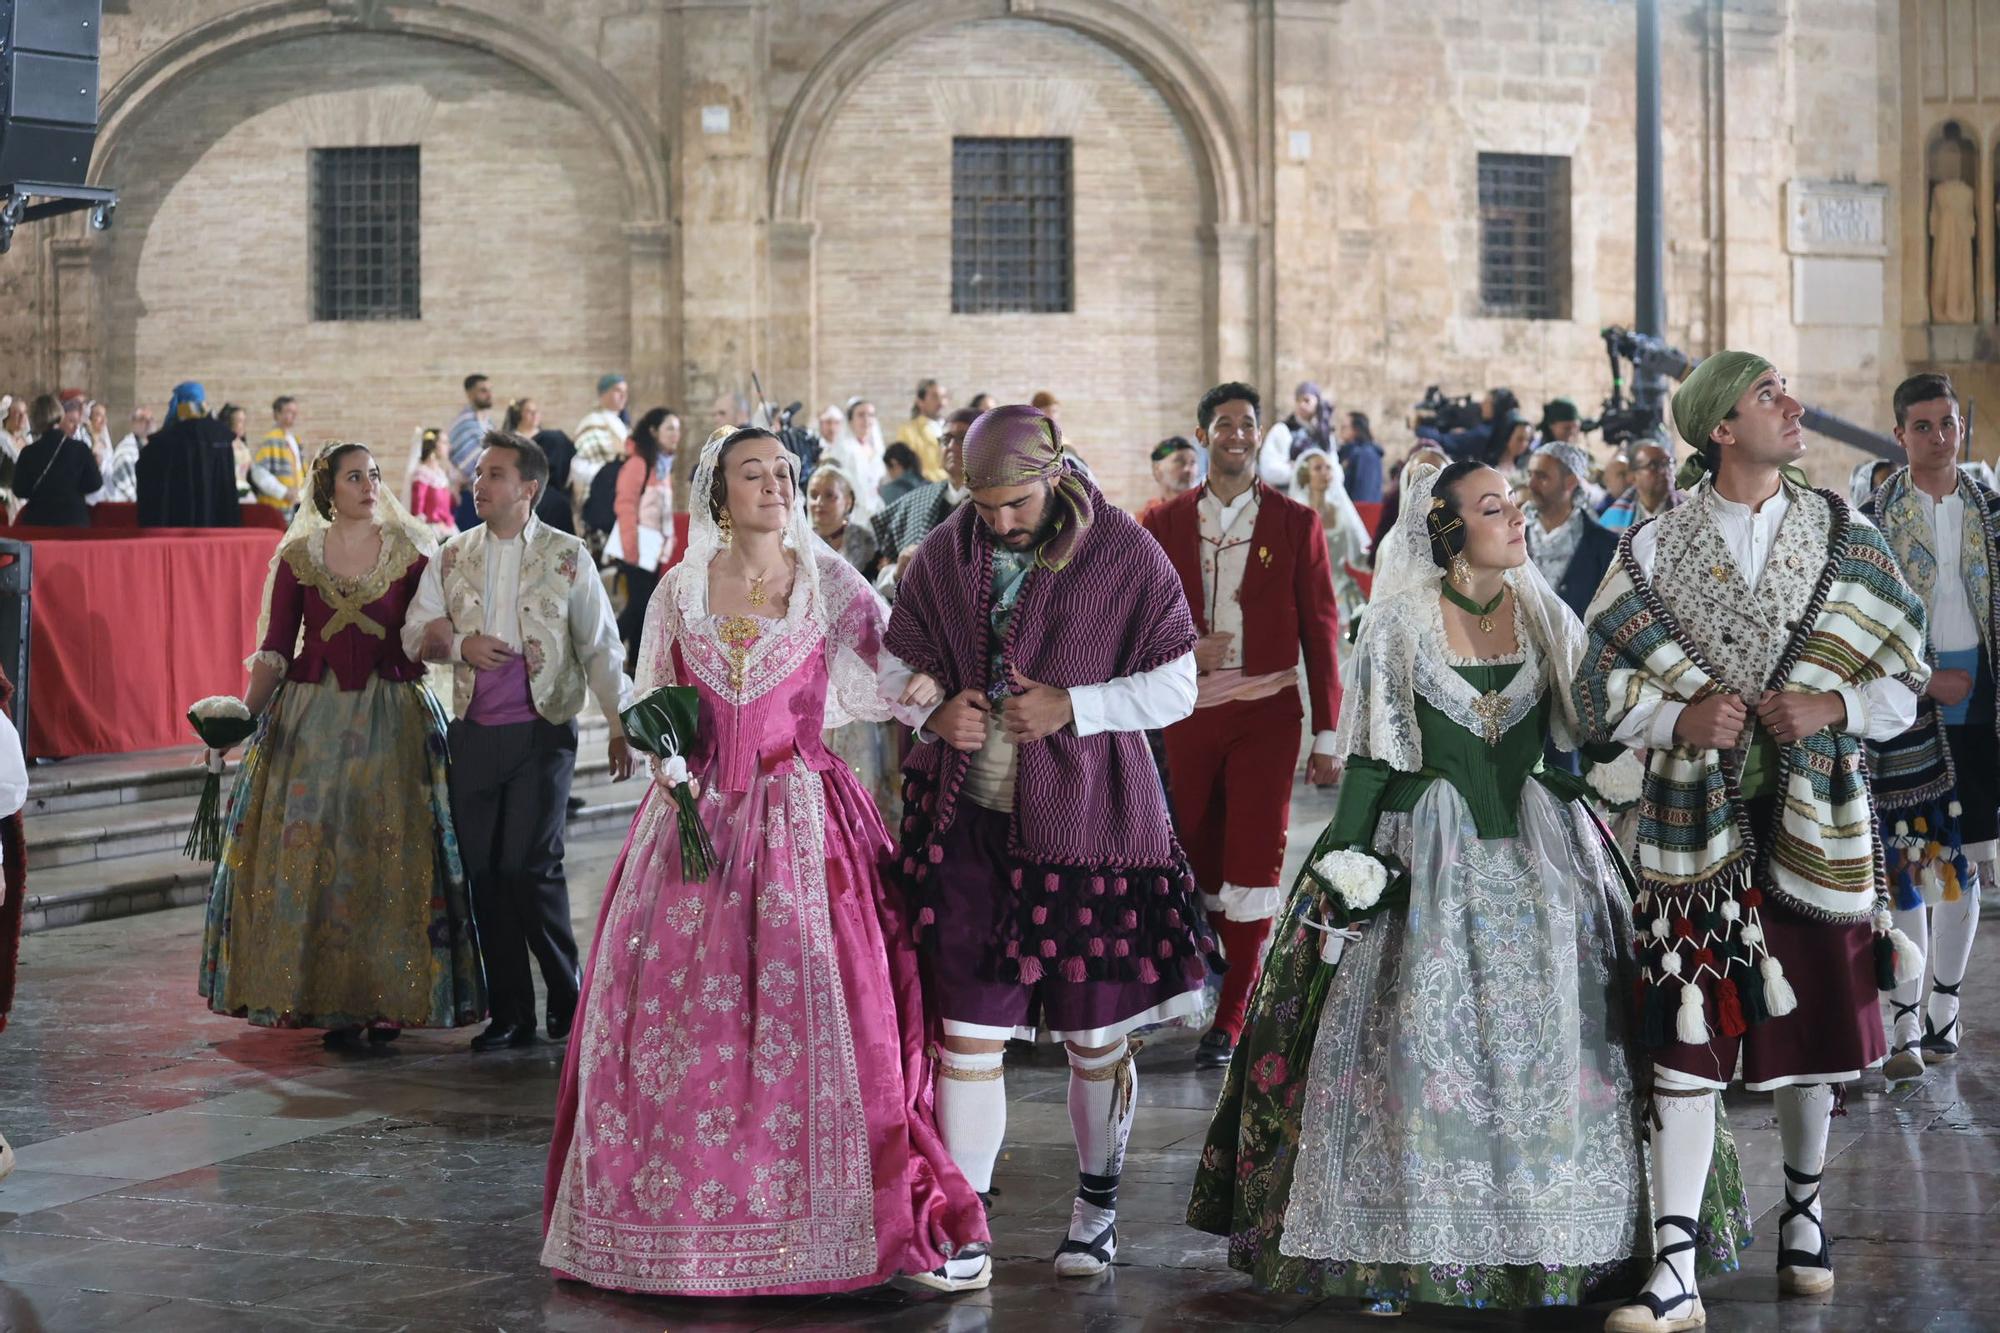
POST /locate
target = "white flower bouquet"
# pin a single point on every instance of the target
(1619, 783)
(220, 722)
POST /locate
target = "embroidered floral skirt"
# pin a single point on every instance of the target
(339, 898)
(745, 1108)
(1457, 1088)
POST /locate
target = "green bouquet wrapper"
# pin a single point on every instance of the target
(219, 731)
(663, 725)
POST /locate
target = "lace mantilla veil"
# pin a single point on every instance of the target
(831, 587)
(1377, 712)
(308, 522)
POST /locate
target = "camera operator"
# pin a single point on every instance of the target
(1561, 423)
(1486, 441)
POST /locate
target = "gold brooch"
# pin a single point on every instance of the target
(1720, 572)
(1264, 554)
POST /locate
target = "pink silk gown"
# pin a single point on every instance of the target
(746, 1103)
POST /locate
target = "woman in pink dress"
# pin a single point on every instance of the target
(746, 1105)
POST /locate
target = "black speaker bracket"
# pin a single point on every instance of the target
(54, 201)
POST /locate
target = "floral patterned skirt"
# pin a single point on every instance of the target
(1245, 1180)
(339, 899)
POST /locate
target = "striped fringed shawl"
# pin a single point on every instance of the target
(1697, 852)
(1916, 786)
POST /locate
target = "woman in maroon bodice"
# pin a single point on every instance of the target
(339, 901)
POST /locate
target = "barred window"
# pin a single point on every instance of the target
(364, 210)
(1010, 226)
(1524, 235)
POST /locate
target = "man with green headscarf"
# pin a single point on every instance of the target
(1750, 640)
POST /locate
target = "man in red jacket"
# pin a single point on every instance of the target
(1255, 570)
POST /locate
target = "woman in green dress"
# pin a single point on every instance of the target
(1435, 1099)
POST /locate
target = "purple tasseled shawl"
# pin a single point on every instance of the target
(1101, 889)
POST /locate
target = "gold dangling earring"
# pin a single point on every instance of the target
(728, 527)
(1461, 570)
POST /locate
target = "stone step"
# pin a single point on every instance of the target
(96, 782)
(71, 891)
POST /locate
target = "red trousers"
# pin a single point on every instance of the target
(1231, 768)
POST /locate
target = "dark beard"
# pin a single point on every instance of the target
(1051, 521)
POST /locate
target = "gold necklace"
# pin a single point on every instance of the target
(757, 595)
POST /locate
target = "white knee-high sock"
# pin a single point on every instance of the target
(1953, 924)
(972, 1113)
(1683, 1142)
(1103, 1094)
(1805, 1117)
(1908, 1025)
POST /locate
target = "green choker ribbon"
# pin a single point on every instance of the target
(1472, 608)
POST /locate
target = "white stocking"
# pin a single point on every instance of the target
(1805, 1117)
(1953, 926)
(1103, 1094)
(972, 1113)
(1683, 1143)
(1907, 997)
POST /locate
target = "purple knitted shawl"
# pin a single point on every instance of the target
(1115, 609)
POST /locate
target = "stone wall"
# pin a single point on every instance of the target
(1125, 363)
(1272, 189)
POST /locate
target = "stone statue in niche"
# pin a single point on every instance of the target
(1953, 228)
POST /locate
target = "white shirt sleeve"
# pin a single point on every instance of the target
(593, 633)
(1323, 743)
(426, 606)
(1880, 710)
(1139, 702)
(264, 483)
(1274, 459)
(13, 769)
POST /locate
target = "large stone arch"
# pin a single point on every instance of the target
(632, 151)
(540, 52)
(1237, 336)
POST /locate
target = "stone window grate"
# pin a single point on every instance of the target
(364, 207)
(1010, 226)
(1524, 235)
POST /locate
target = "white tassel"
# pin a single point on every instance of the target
(1909, 958)
(1689, 1025)
(1955, 810)
(1902, 828)
(1779, 998)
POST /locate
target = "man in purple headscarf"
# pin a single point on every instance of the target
(1036, 846)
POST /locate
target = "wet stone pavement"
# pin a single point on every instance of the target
(179, 1171)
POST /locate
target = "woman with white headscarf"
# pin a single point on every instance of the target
(858, 456)
(746, 1107)
(1436, 1098)
(339, 900)
(1317, 482)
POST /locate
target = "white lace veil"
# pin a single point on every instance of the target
(1375, 713)
(1348, 517)
(390, 516)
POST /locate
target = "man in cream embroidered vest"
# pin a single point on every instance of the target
(1937, 788)
(519, 611)
(1750, 640)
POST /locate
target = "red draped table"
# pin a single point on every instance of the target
(129, 627)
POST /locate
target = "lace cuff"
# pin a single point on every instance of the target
(267, 657)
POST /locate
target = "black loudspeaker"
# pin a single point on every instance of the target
(48, 92)
(17, 577)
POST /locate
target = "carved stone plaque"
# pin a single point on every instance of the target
(1836, 218)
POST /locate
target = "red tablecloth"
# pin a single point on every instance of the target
(129, 628)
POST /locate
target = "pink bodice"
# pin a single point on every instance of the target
(763, 697)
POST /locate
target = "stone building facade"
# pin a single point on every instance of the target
(1274, 190)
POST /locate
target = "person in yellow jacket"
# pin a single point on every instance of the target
(277, 473)
(922, 432)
